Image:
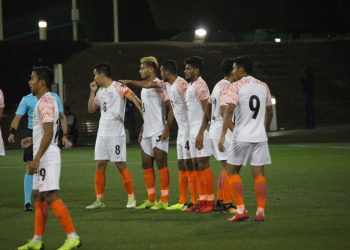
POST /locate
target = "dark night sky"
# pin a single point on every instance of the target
(158, 19)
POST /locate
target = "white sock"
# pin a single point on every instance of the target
(37, 237)
(72, 235)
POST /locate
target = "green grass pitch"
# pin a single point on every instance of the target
(308, 205)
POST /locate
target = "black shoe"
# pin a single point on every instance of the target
(229, 208)
(219, 206)
(27, 207)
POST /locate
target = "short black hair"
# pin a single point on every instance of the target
(104, 68)
(196, 62)
(170, 65)
(44, 73)
(245, 62)
(227, 66)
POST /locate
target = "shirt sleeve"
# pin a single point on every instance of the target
(229, 96)
(181, 89)
(123, 90)
(22, 107)
(46, 110)
(2, 101)
(59, 104)
(202, 91)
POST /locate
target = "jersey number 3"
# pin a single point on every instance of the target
(254, 105)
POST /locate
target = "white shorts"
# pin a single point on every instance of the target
(183, 147)
(221, 156)
(149, 143)
(47, 177)
(240, 152)
(205, 151)
(2, 146)
(111, 148)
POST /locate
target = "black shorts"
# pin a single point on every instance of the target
(28, 152)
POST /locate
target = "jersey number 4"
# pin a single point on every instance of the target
(254, 105)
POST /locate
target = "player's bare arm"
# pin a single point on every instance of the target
(141, 84)
(44, 144)
(92, 106)
(222, 112)
(14, 126)
(170, 120)
(65, 141)
(26, 142)
(136, 101)
(204, 125)
(268, 117)
(227, 123)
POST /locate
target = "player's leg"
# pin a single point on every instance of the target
(182, 177)
(208, 180)
(149, 177)
(63, 216)
(160, 157)
(40, 220)
(260, 156)
(100, 183)
(101, 158)
(128, 183)
(116, 146)
(28, 179)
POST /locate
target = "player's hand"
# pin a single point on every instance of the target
(166, 133)
(33, 166)
(11, 138)
(26, 142)
(199, 141)
(93, 86)
(221, 144)
(125, 82)
(66, 142)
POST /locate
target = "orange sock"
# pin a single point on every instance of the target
(201, 185)
(260, 191)
(63, 216)
(100, 182)
(164, 183)
(209, 183)
(127, 180)
(219, 193)
(150, 181)
(41, 216)
(192, 185)
(226, 187)
(237, 189)
(183, 185)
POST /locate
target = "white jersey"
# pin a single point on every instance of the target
(45, 110)
(177, 92)
(251, 97)
(112, 101)
(216, 121)
(153, 107)
(196, 92)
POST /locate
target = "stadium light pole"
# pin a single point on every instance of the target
(115, 21)
(75, 19)
(42, 30)
(1, 23)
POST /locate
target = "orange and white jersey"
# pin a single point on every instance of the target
(45, 111)
(112, 101)
(216, 121)
(197, 91)
(177, 92)
(153, 107)
(251, 97)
